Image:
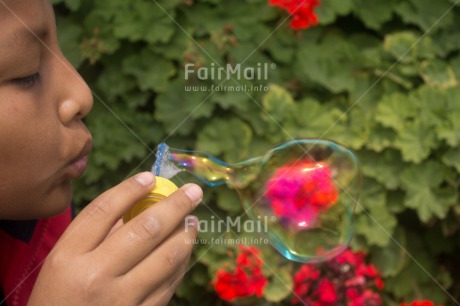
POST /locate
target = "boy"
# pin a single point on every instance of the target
(44, 145)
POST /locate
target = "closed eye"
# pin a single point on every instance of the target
(27, 81)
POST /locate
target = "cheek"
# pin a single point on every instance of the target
(30, 129)
(31, 184)
(29, 200)
(30, 161)
(29, 144)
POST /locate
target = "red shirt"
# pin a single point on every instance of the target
(23, 249)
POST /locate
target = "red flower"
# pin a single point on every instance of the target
(351, 293)
(348, 257)
(303, 280)
(231, 285)
(326, 292)
(419, 303)
(306, 272)
(302, 11)
(379, 283)
(249, 257)
(367, 298)
(344, 280)
(246, 280)
(367, 271)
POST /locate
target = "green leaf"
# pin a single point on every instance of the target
(413, 118)
(449, 127)
(400, 45)
(384, 167)
(447, 41)
(391, 259)
(114, 143)
(200, 275)
(395, 201)
(455, 64)
(419, 274)
(353, 131)
(115, 84)
(280, 51)
(340, 7)
(228, 136)
(330, 63)
(372, 195)
(421, 183)
(426, 14)
(229, 201)
(452, 158)
(449, 130)
(311, 119)
(99, 39)
(431, 103)
(374, 14)
(250, 112)
(416, 141)
(145, 66)
(231, 99)
(328, 11)
(178, 108)
(277, 103)
(373, 220)
(175, 48)
(427, 175)
(279, 287)
(380, 138)
(407, 47)
(438, 74)
(135, 23)
(376, 225)
(394, 109)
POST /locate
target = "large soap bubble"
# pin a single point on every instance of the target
(306, 188)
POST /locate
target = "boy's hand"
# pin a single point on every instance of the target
(137, 263)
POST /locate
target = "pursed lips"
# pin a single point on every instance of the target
(77, 166)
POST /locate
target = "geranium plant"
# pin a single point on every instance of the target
(344, 280)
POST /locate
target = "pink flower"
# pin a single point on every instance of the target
(299, 191)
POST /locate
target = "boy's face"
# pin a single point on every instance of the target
(43, 142)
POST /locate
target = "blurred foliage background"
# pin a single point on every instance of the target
(380, 77)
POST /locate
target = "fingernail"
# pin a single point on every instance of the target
(145, 178)
(194, 193)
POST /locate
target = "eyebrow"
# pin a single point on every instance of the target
(25, 35)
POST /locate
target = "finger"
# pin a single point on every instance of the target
(163, 294)
(115, 227)
(167, 260)
(137, 238)
(94, 222)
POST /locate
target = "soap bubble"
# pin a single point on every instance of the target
(307, 189)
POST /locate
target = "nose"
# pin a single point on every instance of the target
(76, 99)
